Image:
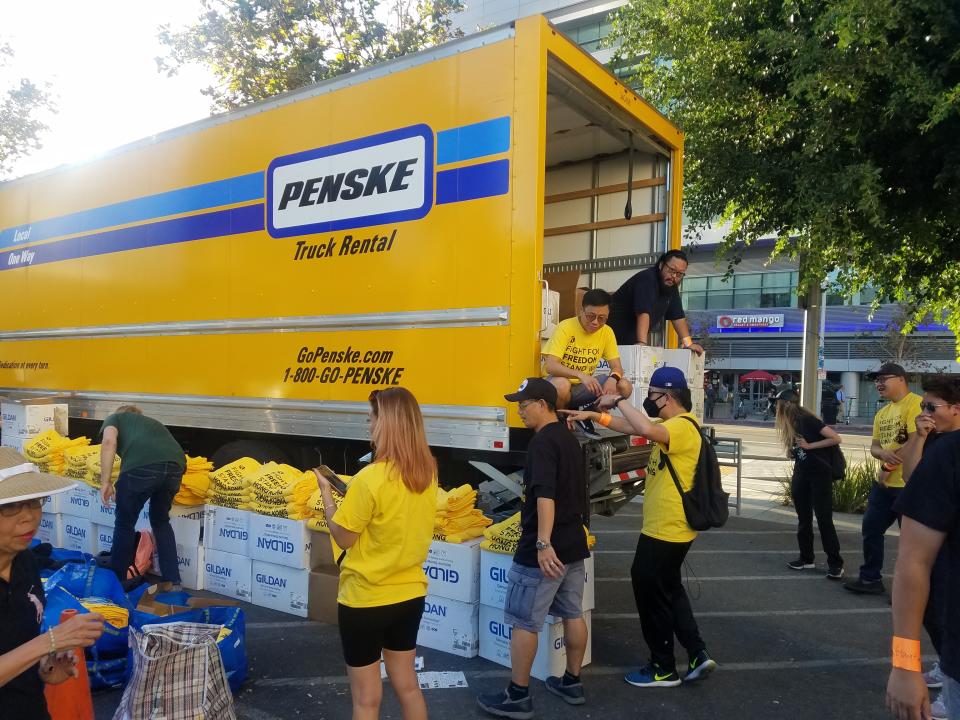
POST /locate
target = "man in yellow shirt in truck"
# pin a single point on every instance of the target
(574, 352)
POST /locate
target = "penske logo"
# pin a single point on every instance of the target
(384, 178)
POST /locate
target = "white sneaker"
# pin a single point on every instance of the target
(934, 677)
(938, 711)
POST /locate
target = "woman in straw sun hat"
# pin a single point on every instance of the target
(27, 658)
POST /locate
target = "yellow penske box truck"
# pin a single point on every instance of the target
(249, 279)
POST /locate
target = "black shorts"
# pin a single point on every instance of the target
(366, 632)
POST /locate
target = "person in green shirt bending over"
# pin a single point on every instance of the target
(151, 467)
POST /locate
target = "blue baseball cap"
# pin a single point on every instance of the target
(668, 377)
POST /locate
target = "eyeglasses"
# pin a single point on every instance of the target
(932, 407)
(527, 403)
(593, 317)
(13, 509)
(674, 272)
(884, 378)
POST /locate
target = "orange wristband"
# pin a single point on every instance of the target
(906, 654)
(604, 419)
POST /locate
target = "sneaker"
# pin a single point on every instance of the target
(653, 676)
(835, 573)
(865, 587)
(502, 705)
(799, 564)
(938, 709)
(587, 428)
(701, 666)
(571, 693)
(934, 677)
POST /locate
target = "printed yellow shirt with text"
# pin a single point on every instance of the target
(891, 426)
(580, 350)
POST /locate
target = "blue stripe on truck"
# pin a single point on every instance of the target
(218, 223)
(489, 137)
(473, 181)
(243, 188)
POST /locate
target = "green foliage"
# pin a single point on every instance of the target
(261, 48)
(20, 109)
(833, 123)
(850, 494)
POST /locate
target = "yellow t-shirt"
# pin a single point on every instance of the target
(580, 350)
(663, 516)
(892, 424)
(385, 564)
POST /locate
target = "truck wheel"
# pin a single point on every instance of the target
(259, 450)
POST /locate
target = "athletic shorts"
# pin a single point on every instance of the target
(366, 632)
(531, 596)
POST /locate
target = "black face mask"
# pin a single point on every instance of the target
(650, 408)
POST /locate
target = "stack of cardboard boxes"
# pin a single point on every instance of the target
(24, 420)
(495, 634)
(640, 362)
(78, 520)
(451, 612)
(261, 559)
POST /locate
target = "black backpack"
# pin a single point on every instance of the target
(706, 505)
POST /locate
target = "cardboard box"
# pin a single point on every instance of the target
(32, 417)
(107, 514)
(187, 523)
(150, 602)
(698, 396)
(453, 570)
(280, 587)
(280, 541)
(51, 529)
(493, 580)
(639, 361)
(190, 562)
(566, 284)
(551, 658)
(692, 365)
(13, 440)
(226, 529)
(104, 535)
(227, 574)
(79, 534)
(450, 626)
(79, 502)
(323, 553)
(322, 588)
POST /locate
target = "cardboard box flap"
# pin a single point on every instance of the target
(565, 283)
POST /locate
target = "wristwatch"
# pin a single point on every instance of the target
(620, 400)
(541, 545)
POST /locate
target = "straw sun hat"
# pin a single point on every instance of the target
(21, 480)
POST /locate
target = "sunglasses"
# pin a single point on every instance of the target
(593, 317)
(932, 407)
(884, 378)
(13, 509)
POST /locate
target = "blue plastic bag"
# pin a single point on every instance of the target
(107, 658)
(233, 647)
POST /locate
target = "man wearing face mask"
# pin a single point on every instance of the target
(643, 301)
(894, 434)
(666, 537)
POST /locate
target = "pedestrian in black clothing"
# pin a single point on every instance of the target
(806, 440)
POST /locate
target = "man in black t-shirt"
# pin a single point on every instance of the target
(547, 575)
(930, 507)
(643, 301)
